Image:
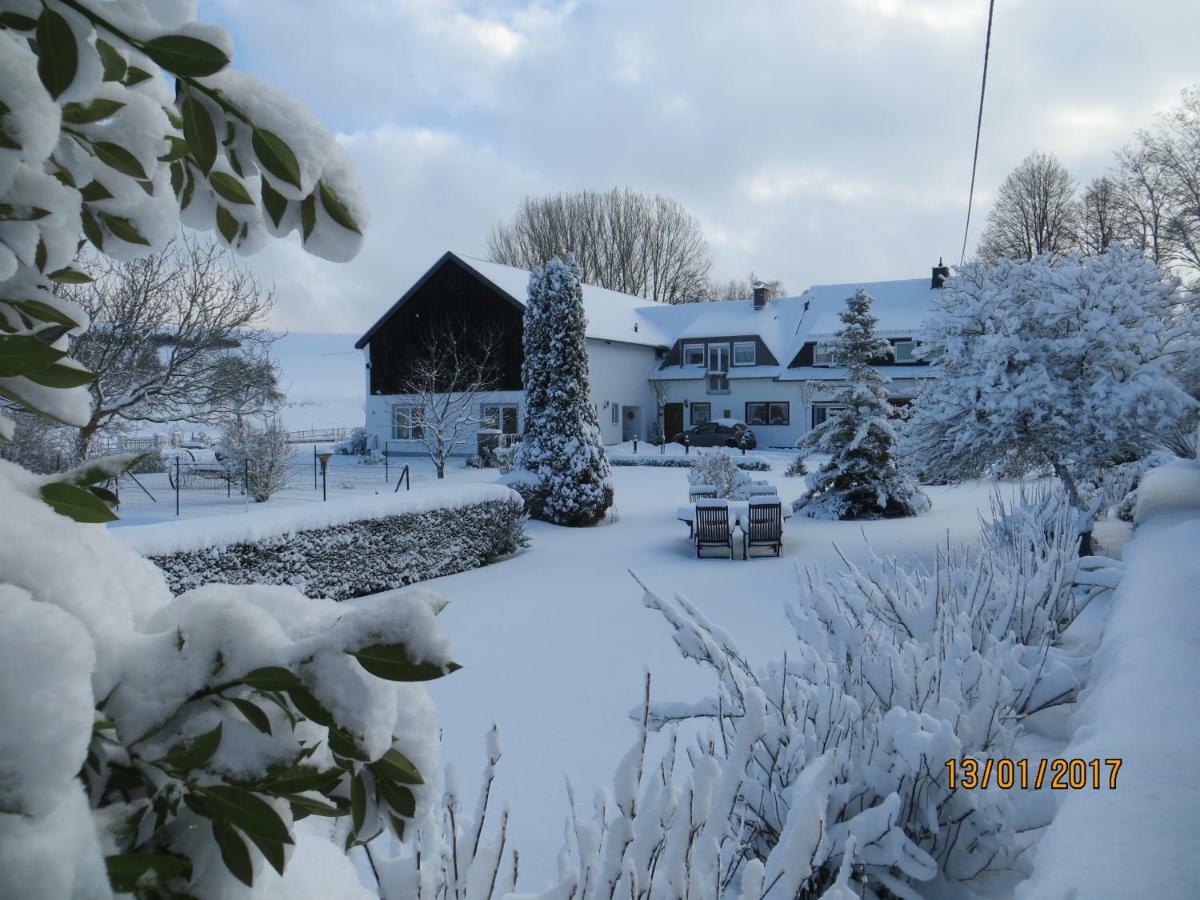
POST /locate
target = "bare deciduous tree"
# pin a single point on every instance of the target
(1144, 199)
(444, 384)
(623, 240)
(1174, 147)
(175, 336)
(1100, 215)
(1036, 211)
(743, 288)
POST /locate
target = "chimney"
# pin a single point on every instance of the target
(940, 274)
(760, 294)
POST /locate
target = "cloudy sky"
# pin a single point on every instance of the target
(816, 140)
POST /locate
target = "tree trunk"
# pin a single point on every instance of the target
(1085, 536)
(84, 441)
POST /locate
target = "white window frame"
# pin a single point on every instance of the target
(826, 408)
(911, 347)
(410, 428)
(496, 421)
(742, 345)
(686, 348)
(715, 354)
(823, 355)
(707, 407)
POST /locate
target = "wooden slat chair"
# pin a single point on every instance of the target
(763, 490)
(764, 528)
(712, 526)
(702, 492)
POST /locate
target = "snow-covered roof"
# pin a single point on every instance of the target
(900, 306)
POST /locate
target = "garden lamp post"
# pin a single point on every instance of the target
(323, 456)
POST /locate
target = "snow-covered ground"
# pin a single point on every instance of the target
(554, 641)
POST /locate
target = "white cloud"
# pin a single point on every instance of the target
(816, 140)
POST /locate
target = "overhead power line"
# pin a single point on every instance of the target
(987, 46)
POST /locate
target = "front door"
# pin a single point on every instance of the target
(672, 420)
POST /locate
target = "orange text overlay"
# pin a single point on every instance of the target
(1056, 774)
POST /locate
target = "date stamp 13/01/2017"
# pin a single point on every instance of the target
(1022, 774)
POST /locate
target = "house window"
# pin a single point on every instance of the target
(823, 355)
(693, 354)
(768, 414)
(616, 413)
(500, 416)
(718, 357)
(824, 411)
(406, 423)
(744, 353)
(903, 351)
(701, 413)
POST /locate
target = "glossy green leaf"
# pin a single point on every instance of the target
(93, 191)
(92, 229)
(123, 229)
(391, 661)
(86, 113)
(136, 76)
(58, 54)
(188, 755)
(200, 133)
(275, 156)
(271, 678)
(234, 852)
(126, 871)
(117, 157)
(336, 209)
(185, 55)
(309, 706)
(17, 22)
(343, 744)
(227, 225)
(67, 275)
(21, 354)
(398, 797)
(76, 503)
(310, 806)
(358, 801)
(58, 375)
(298, 778)
(247, 811)
(272, 851)
(43, 311)
(178, 149)
(253, 713)
(113, 62)
(229, 188)
(20, 213)
(274, 203)
(395, 766)
(308, 215)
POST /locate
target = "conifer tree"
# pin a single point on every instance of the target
(561, 447)
(861, 480)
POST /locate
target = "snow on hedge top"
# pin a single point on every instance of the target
(161, 539)
(611, 316)
(1173, 487)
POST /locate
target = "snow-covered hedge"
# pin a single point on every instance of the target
(341, 549)
(749, 463)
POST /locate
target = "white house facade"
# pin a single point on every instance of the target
(761, 361)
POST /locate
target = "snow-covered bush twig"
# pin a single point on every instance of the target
(720, 471)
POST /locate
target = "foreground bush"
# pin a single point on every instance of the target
(721, 472)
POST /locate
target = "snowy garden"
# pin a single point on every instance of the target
(521, 681)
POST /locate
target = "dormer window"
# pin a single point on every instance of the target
(823, 355)
(905, 351)
(744, 353)
(693, 354)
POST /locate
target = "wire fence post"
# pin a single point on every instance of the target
(314, 467)
(385, 462)
(176, 485)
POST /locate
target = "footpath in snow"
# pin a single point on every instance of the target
(1142, 707)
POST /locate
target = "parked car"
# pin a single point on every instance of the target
(719, 433)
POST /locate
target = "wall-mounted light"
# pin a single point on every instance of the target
(685, 403)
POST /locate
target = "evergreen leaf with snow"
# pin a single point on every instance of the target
(861, 479)
(564, 473)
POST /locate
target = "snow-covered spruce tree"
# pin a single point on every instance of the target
(1062, 363)
(862, 479)
(563, 471)
(149, 744)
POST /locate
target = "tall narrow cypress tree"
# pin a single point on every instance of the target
(861, 479)
(561, 447)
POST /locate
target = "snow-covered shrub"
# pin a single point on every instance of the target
(37, 444)
(260, 455)
(172, 742)
(561, 445)
(355, 445)
(861, 480)
(503, 458)
(722, 472)
(1062, 363)
(748, 463)
(896, 671)
(372, 552)
(796, 468)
